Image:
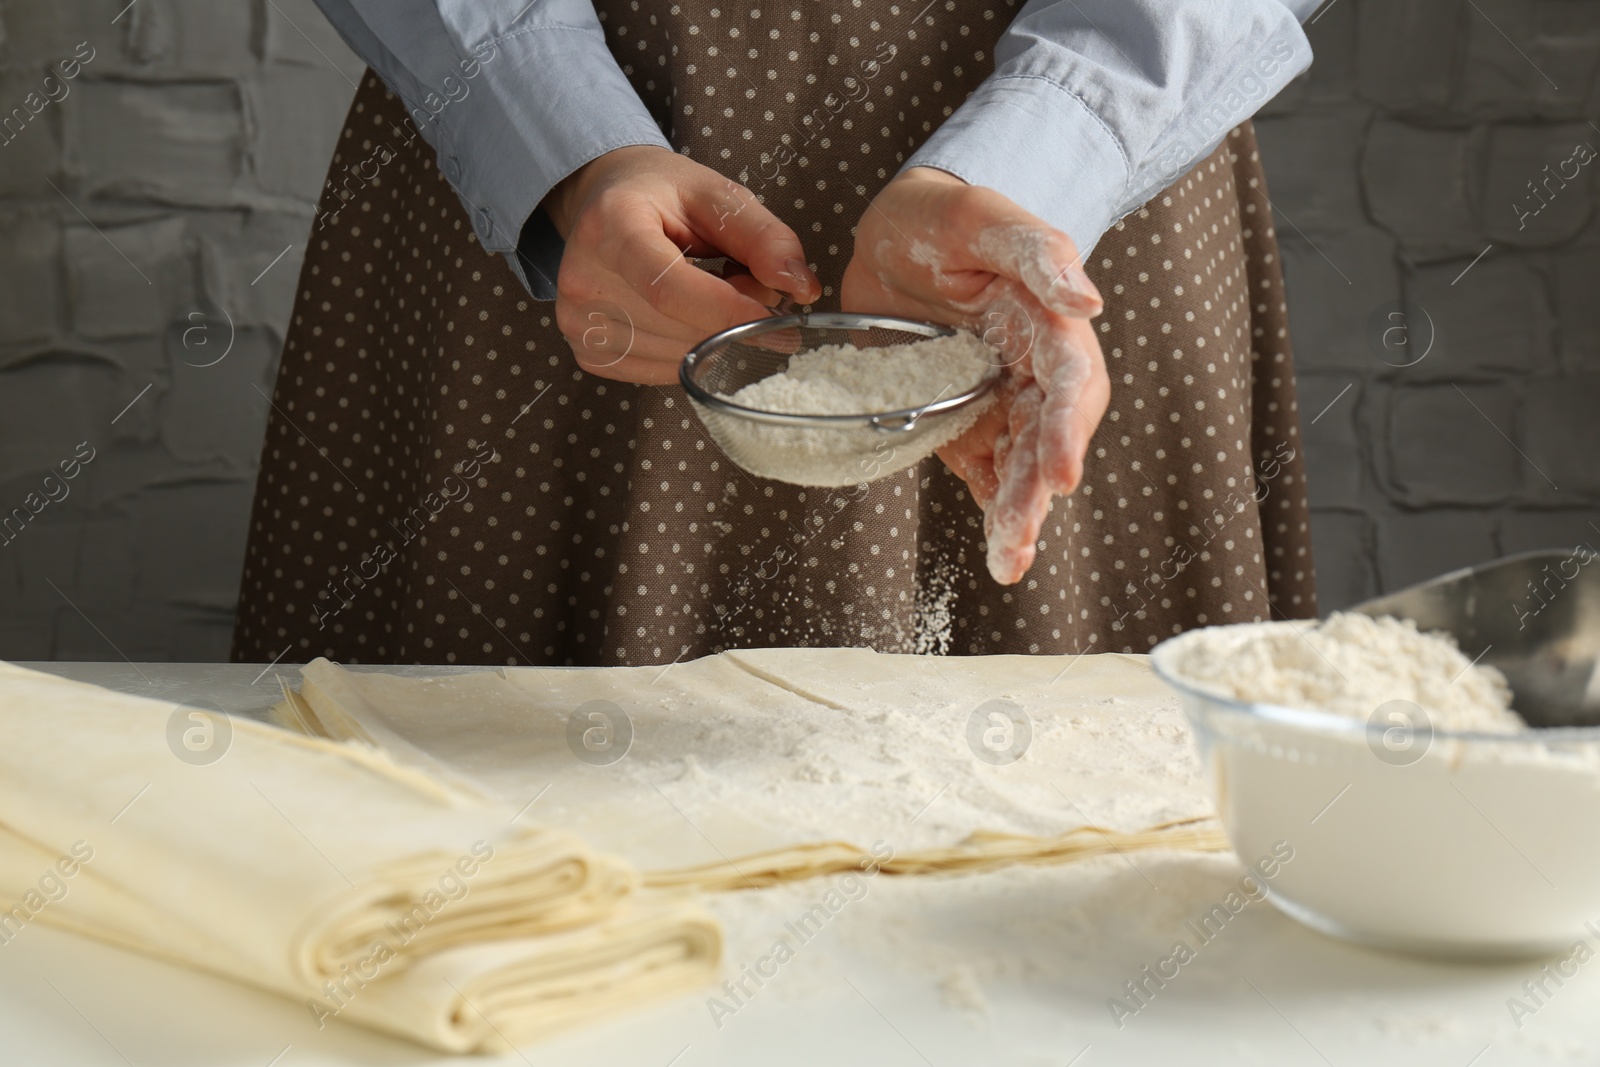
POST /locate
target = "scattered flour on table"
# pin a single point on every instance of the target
(1069, 937)
(901, 770)
(960, 989)
(967, 940)
(847, 380)
(1350, 665)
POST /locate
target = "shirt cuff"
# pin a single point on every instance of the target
(1039, 144)
(548, 100)
(538, 256)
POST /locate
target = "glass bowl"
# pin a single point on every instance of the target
(1403, 836)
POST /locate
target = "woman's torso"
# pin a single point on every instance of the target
(441, 484)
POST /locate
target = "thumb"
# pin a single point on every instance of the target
(1015, 243)
(728, 216)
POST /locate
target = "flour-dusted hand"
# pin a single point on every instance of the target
(629, 299)
(932, 247)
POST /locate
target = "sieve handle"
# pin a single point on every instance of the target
(902, 424)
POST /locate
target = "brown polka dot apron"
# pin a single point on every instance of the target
(440, 483)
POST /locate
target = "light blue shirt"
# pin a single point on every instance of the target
(1094, 105)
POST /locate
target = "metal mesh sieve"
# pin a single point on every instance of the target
(819, 450)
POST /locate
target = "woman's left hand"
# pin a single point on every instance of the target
(932, 247)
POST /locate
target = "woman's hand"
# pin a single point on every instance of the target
(932, 247)
(626, 299)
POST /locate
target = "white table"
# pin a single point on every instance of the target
(1264, 992)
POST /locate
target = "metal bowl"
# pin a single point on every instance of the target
(819, 450)
(1535, 617)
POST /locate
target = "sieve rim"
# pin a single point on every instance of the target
(897, 421)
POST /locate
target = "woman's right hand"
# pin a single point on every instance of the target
(628, 300)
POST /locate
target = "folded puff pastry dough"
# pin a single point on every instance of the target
(323, 871)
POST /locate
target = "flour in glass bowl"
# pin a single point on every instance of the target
(1349, 665)
(848, 380)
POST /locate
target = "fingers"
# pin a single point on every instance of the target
(1043, 259)
(1017, 513)
(1091, 408)
(630, 299)
(973, 456)
(609, 342)
(1012, 326)
(746, 285)
(730, 217)
(1002, 456)
(1001, 237)
(614, 333)
(1063, 355)
(972, 460)
(873, 287)
(1076, 393)
(639, 368)
(969, 256)
(657, 270)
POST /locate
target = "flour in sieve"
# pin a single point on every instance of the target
(1350, 665)
(847, 380)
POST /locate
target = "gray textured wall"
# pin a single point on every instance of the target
(1395, 163)
(138, 212)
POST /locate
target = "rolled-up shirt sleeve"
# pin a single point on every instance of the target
(1096, 105)
(513, 96)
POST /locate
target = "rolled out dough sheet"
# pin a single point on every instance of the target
(768, 750)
